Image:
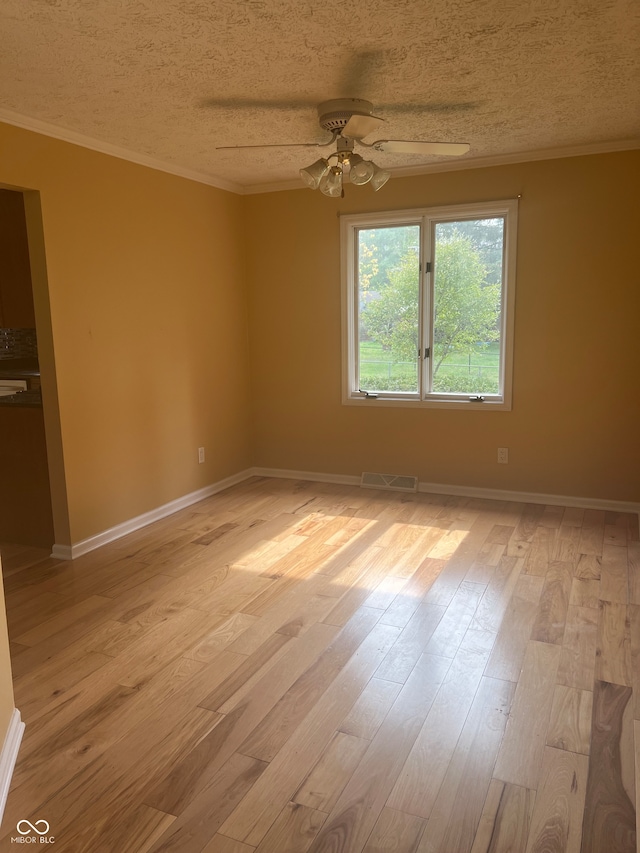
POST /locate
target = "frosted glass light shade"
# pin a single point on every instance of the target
(314, 173)
(361, 170)
(380, 178)
(331, 183)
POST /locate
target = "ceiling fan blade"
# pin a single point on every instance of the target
(276, 145)
(406, 146)
(359, 126)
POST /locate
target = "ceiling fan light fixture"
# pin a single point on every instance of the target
(314, 173)
(379, 178)
(361, 170)
(349, 121)
(331, 183)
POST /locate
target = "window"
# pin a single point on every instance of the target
(428, 298)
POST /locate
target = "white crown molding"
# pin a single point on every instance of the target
(65, 135)
(9, 755)
(47, 129)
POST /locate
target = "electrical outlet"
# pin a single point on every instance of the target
(503, 455)
(201, 454)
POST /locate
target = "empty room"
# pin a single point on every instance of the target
(320, 406)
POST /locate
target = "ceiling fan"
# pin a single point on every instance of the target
(349, 121)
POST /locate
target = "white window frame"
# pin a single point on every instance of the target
(427, 219)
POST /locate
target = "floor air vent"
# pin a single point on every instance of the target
(397, 482)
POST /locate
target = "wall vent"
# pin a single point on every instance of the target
(395, 482)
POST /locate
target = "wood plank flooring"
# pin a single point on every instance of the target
(290, 666)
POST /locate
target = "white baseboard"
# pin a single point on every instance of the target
(529, 497)
(70, 552)
(312, 476)
(62, 552)
(463, 491)
(8, 757)
(77, 549)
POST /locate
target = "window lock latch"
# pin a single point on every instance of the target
(476, 399)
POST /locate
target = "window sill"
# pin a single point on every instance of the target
(405, 403)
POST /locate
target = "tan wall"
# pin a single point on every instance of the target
(148, 329)
(574, 425)
(6, 686)
(145, 276)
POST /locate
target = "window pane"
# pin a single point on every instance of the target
(388, 308)
(467, 295)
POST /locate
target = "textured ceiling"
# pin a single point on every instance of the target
(173, 79)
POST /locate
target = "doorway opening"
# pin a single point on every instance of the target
(26, 515)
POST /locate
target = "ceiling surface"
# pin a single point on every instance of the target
(174, 79)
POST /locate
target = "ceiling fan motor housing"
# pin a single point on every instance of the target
(334, 115)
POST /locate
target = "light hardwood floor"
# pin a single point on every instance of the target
(290, 667)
